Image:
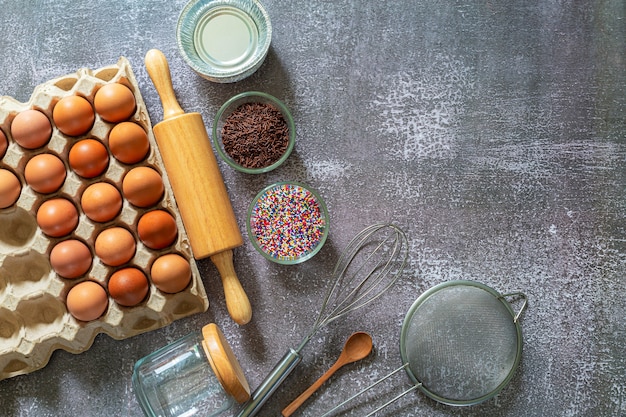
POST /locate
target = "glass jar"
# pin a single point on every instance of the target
(195, 375)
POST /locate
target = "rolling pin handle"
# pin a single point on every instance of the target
(237, 301)
(159, 71)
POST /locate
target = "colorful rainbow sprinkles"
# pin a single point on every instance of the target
(287, 221)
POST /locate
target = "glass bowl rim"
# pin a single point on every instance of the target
(324, 211)
(261, 19)
(216, 137)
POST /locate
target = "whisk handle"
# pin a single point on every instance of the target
(271, 383)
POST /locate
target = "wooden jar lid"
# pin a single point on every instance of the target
(224, 363)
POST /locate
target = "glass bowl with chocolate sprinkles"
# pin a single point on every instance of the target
(254, 132)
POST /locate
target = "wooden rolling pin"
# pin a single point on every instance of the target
(198, 186)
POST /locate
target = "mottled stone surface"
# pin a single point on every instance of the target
(494, 133)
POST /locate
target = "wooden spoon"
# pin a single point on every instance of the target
(357, 347)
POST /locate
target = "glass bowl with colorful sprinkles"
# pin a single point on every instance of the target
(254, 132)
(287, 222)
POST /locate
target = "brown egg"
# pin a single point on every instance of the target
(129, 142)
(114, 102)
(89, 158)
(171, 273)
(87, 301)
(70, 258)
(143, 186)
(4, 144)
(157, 229)
(10, 188)
(128, 286)
(73, 115)
(115, 246)
(45, 173)
(101, 202)
(31, 129)
(57, 217)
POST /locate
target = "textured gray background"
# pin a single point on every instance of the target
(493, 132)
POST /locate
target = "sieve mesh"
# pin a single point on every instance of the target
(460, 342)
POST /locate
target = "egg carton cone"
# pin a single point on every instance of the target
(34, 318)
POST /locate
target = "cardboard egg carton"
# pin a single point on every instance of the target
(34, 320)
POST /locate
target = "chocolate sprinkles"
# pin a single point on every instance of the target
(255, 135)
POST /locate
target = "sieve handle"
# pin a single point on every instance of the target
(271, 383)
(524, 303)
(394, 399)
(364, 390)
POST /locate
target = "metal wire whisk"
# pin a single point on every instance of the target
(382, 252)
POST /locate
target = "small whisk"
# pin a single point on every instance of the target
(382, 252)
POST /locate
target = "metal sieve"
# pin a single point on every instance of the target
(460, 344)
